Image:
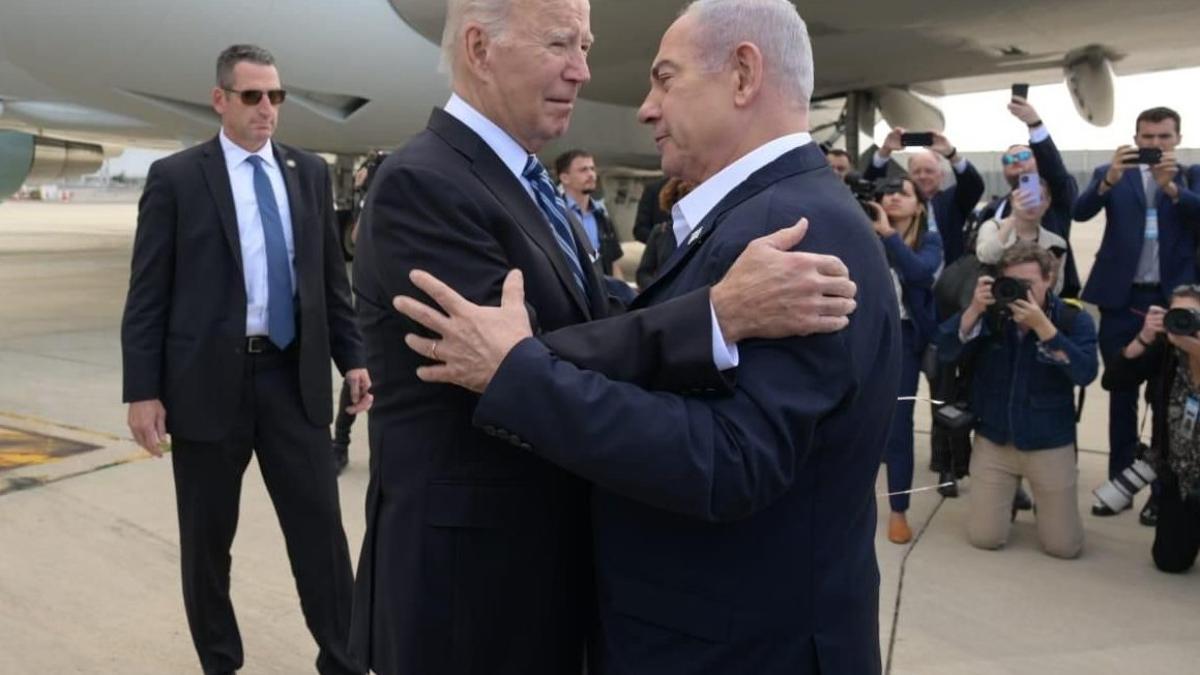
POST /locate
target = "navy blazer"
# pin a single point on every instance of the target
(1124, 206)
(734, 532)
(917, 271)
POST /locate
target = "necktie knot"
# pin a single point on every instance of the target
(534, 171)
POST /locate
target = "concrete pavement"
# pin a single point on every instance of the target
(89, 579)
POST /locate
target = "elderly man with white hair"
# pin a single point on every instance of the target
(734, 529)
(478, 553)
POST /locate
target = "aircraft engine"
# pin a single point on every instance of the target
(26, 158)
(1089, 76)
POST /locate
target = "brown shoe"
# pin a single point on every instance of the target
(898, 530)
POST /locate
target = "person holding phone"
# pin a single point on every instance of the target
(1024, 223)
(1040, 157)
(914, 253)
(1149, 247)
(949, 207)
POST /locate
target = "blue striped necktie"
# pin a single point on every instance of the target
(555, 210)
(281, 318)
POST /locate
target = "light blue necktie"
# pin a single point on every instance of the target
(555, 210)
(281, 318)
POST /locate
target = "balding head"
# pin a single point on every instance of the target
(925, 169)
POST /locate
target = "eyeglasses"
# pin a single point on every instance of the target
(1018, 156)
(251, 97)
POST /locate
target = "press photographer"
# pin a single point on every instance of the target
(1166, 353)
(1029, 351)
(900, 216)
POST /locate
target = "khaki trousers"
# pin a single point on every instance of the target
(996, 470)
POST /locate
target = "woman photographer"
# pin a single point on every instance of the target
(1166, 352)
(1024, 223)
(1029, 351)
(914, 254)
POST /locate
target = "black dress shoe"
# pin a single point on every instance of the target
(1149, 514)
(341, 456)
(951, 490)
(1101, 509)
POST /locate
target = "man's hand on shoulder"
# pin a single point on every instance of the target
(473, 339)
(148, 422)
(774, 292)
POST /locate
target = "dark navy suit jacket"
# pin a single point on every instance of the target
(951, 207)
(734, 529)
(1124, 206)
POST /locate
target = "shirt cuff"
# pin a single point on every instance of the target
(725, 354)
(975, 331)
(1039, 133)
(961, 165)
(879, 160)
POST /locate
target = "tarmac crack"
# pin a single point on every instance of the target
(900, 585)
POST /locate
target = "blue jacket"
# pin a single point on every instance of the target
(734, 531)
(917, 271)
(1019, 394)
(1111, 278)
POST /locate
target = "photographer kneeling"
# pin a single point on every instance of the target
(1029, 352)
(1175, 400)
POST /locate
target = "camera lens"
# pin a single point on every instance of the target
(1182, 321)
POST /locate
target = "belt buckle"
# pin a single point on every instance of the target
(256, 344)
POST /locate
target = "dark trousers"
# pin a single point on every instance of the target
(1177, 534)
(298, 470)
(950, 451)
(344, 420)
(1117, 329)
(899, 452)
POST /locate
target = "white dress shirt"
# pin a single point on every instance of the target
(514, 157)
(250, 228)
(693, 208)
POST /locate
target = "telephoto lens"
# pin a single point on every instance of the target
(1117, 493)
(1182, 321)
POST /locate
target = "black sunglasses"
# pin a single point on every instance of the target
(252, 97)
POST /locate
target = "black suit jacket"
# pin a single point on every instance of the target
(184, 329)
(734, 533)
(477, 557)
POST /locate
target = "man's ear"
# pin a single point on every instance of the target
(218, 100)
(478, 46)
(748, 69)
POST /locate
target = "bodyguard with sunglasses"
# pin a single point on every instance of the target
(237, 299)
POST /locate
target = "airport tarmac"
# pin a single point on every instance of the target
(89, 578)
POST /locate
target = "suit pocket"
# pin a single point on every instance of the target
(681, 612)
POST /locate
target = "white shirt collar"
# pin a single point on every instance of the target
(236, 154)
(689, 211)
(505, 146)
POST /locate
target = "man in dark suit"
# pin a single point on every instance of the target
(733, 529)
(649, 213)
(1149, 247)
(951, 206)
(477, 557)
(237, 298)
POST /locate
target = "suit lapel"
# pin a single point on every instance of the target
(1139, 186)
(510, 193)
(216, 175)
(300, 222)
(799, 160)
(590, 260)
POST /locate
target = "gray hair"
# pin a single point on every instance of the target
(491, 14)
(234, 55)
(773, 25)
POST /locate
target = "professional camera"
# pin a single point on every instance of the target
(1117, 493)
(1182, 321)
(863, 191)
(1007, 290)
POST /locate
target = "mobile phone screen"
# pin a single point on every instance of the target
(1021, 90)
(913, 139)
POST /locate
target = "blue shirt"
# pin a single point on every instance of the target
(588, 219)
